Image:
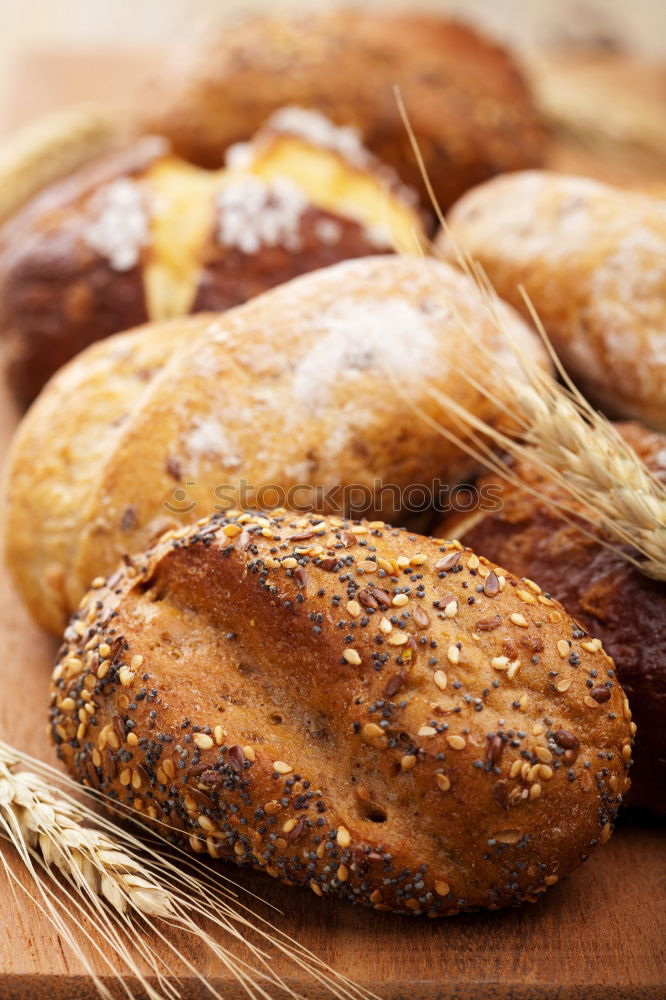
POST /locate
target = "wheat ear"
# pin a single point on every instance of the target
(612, 495)
(135, 895)
(606, 485)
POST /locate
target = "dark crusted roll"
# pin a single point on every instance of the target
(612, 599)
(142, 235)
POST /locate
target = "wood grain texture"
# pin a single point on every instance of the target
(599, 936)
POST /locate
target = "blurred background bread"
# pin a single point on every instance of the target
(142, 235)
(599, 588)
(592, 259)
(467, 101)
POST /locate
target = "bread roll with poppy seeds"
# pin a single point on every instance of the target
(606, 594)
(312, 385)
(383, 717)
(140, 235)
(592, 258)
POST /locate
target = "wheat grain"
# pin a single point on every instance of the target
(136, 896)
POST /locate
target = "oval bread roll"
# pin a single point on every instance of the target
(592, 259)
(384, 717)
(318, 383)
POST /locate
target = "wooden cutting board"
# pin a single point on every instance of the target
(599, 936)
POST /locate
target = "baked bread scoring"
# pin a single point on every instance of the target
(383, 717)
(608, 596)
(142, 235)
(327, 383)
(467, 101)
(592, 259)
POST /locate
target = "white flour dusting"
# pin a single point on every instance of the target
(384, 335)
(208, 439)
(252, 213)
(119, 225)
(318, 130)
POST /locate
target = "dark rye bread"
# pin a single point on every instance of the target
(612, 599)
(383, 717)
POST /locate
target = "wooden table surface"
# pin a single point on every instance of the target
(599, 936)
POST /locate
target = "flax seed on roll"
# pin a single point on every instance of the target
(379, 716)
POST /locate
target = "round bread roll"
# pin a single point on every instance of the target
(602, 591)
(142, 235)
(309, 394)
(383, 717)
(592, 259)
(467, 101)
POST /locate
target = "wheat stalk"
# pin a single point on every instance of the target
(136, 895)
(607, 485)
(612, 495)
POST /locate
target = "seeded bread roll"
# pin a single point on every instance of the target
(383, 717)
(621, 606)
(467, 101)
(592, 259)
(304, 395)
(142, 235)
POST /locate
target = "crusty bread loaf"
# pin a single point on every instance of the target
(592, 258)
(318, 382)
(468, 103)
(383, 717)
(142, 235)
(610, 598)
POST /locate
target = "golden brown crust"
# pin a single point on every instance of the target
(54, 476)
(467, 102)
(381, 716)
(625, 609)
(141, 235)
(592, 259)
(319, 382)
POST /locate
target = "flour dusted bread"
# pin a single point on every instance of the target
(607, 595)
(380, 716)
(142, 235)
(592, 259)
(319, 383)
(467, 101)
(60, 449)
